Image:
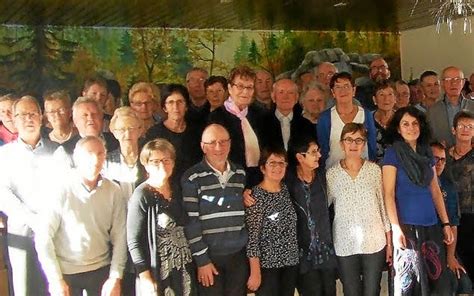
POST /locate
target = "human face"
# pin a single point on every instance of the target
(285, 95)
(453, 82)
(160, 165)
(215, 94)
(175, 107)
(385, 99)
(127, 130)
(263, 86)
(403, 95)
(88, 120)
(6, 116)
(310, 158)
(464, 131)
(379, 70)
(440, 159)
(241, 91)
(98, 93)
(416, 94)
(215, 144)
(325, 72)
(343, 91)
(58, 113)
(27, 118)
(353, 144)
(409, 129)
(430, 87)
(195, 84)
(90, 159)
(314, 101)
(144, 105)
(275, 168)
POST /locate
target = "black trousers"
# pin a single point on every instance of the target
(90, 281)
(232, 278)
(278, 281)
(317, 282)
(465, 244)
(370, 266)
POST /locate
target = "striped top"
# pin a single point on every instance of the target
(216, 211)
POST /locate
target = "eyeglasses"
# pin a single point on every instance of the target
(214, 143)
(453, 79)
(358, 141)
(274, 164)
(139, 104)
(439, 159)
(157, 162)
(312, 152)
(343, 87)
(241, 87)
(124, 129)
(195, 80)
(27, 115)
(464, 126)
(60, 111)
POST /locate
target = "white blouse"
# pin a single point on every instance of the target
(360, 220)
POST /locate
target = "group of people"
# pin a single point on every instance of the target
(246, 184)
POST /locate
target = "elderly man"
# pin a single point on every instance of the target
(212, 194)
(27, 164)
(263, 89)
(89, 121)
(442, 113)
(378, 71)
(430, 86)
(324, 72)
(81, 241)
(198, 109)
(283, 126)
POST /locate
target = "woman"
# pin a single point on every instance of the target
(414, 201)
(184, 136)
(272, 247)
(361, 229)
(57, 107)
(307, 187)
(143, 97)
(332, 121)
(216, 91)
(155, 221)
(384, 99)
(313, 102)
(8, 132)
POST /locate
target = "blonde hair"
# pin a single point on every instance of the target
(144, 87)
(122, 112)
(159, 144)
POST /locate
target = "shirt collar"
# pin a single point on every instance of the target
(280, 116)
(227, 168)
(28, 146)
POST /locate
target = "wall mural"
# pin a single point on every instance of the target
(40, 58)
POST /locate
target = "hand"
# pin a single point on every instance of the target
(148, 286)
(248, 198)
(111, 287)
(389, 255)
(455, 267)
(399, 240)
(448, 235)
(59, 288)
(254, 281)
(206, 274)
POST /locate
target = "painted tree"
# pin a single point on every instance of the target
(254, 55)
(241, 52)
(127, 56)
(203, 47)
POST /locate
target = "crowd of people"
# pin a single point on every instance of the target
(246, 184)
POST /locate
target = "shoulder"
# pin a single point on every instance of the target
(198, 170)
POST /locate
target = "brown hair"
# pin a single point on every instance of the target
(159, 144)
(243, 72)
(352, 127)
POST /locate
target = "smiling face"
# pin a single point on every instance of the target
(143, 104)
(379, 70)
(409, 129)
(464, 131)
(274, 169)
(353, 144)
(58, 113)
(6, 116)
(310, 158)
(27, 119)
(160, 166)
(215, 143)
(241, 91)
(343, 91)
(385, 99)
(285, 95)
(97, 92)
(127, 130)
(453, 82)
(431, 87)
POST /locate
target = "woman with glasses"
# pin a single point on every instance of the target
(307, 186)
(414, 202)
(361, 228)
(57, 108)
(272, 247)
(384, 99)
(155, 221)
(143, 97)
(183, 135)
(332, 121)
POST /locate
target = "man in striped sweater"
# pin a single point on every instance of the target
(212, 196)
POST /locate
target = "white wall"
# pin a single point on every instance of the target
(424, 49)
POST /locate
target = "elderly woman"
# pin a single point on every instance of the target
(272, 247)
(313, 101)
(175, 102)
(384, 99)
(216, 91)
(143, 100)
(155, 221)
(361, 229)
(414, 202)
(57, 107)
(8, 132)
(332, 121)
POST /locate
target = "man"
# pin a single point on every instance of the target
(198, 110)
(324, 72)
(89, 121)
(263, 88)
(441, 114)
(402, 93)
(96, 88)
(378, 71)
(431, 88)
(283, 125)
(8, 132)
(27, 164)
(212, 196)
(81, 242)
(416, 93)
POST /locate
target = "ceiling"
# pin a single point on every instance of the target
(350, 15)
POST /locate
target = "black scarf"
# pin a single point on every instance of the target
(416, 164)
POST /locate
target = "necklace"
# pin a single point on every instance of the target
(455, 152)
